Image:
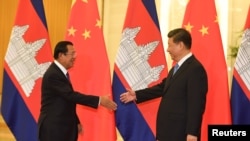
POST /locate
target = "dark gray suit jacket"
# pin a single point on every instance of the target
(58, 119)
(183, 101)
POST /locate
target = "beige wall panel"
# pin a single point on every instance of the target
(114, 15)
(57, 14)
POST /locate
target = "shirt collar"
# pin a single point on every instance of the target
(61, 67)
(184, 59)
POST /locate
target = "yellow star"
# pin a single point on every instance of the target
(86, 1)
(71, 31)
(204, 30)
(216, 19)
(73, 3)
(188, 27)
(86, 34)
(98, 23)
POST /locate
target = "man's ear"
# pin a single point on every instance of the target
(182, 45)
(60, 55)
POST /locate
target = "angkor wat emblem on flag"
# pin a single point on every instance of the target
(132, 60)
(21, 60)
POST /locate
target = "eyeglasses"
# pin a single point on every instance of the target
(71, 54)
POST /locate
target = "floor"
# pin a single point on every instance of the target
(5, 134)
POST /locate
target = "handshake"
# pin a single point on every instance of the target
(124, 97)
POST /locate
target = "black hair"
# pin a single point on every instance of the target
(61, 47)
(181, 35)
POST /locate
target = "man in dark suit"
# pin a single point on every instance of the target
(183, 93)
(58, 119)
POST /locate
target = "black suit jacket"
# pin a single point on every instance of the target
(183, 101)
(58, 119)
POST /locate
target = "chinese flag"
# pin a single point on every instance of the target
(27, 57)
(201, 20)
(140, 63)
(91, 71)
(240, 94)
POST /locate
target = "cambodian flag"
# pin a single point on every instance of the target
(240, 94)
(140, 63)
(27, 58)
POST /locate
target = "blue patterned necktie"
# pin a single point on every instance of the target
(176, 67)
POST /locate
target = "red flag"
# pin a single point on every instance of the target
(201, 20)
(91, 71)
(27, 58)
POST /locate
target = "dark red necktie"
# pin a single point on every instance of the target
(67, 74)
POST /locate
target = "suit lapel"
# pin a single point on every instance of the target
(62, 74)
(184, 66)
(171, 78)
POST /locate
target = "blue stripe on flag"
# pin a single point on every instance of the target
(239, 104)
(38, 6)
(16, 114)
(128, 114)
(151, 8)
